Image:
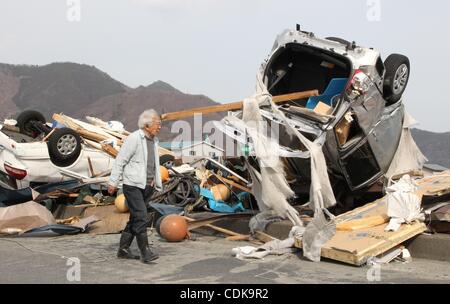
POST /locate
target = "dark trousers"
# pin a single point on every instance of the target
(136, 200)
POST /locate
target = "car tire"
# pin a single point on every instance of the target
(167, 160)
(396, 77)
(24, 122)
(64, 147)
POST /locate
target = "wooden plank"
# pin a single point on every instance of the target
(91, 168)
(223, 230)
(376, 241)
(364, 223)
(102, 174)
(48, 135)
(110, 220)
(218, 229)
(234, 105)
(93, 139)
(232, 183)
(196, 223)
(100, 123)
(10, 128)
(434, 185)
(90, 135)
(92, 144)
(97, 137)
(355, 247)
(115, 134)
(405, 233)
(238, 238)
(110, 150)
(263, 237)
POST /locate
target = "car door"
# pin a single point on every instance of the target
(358, 158)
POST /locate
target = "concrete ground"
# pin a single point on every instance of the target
(207, 259)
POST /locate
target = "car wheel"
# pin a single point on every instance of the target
(167, 160)
(26, 120)
(396, 77)
(64, 147)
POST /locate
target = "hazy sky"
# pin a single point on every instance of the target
(215, 47)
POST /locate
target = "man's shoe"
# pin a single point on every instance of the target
(124, 247)
(147, 255)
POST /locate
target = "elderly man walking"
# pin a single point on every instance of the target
(138, 165)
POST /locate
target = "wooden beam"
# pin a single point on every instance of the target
(232, 183)
(91, 168)
(11, 128)
(82, 131)
(110, 150)
(263, 237)
(238, 238)
(196, 223)
(363, 223)
(216, 228)
(235, 105)
(48, 135)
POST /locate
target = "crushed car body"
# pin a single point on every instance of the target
(34, 152)
(357, 117)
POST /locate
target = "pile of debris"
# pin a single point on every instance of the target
(81, 155)
(209, 191)
(334, 176)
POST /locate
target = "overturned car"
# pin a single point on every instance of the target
(357, 118)
(34, 152)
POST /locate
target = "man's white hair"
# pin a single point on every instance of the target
(146, 118)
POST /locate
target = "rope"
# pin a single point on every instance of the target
(179, 191)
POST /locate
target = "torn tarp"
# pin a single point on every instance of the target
(404, 206)
(408, 156)
(275, 247)
(24, 217)
(10, 197)
(269, 184)
(59, 229)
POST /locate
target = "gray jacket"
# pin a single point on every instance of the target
(131, 162)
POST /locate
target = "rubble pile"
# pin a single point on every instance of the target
(343, 178)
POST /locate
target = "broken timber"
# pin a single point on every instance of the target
(235, 105)
(355, 246)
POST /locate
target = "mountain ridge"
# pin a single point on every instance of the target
(81, 90)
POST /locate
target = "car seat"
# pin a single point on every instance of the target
(335, 87)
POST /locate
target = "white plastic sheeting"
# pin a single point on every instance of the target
(270, 187)
(275, 247)
(403, 204)
(408, 156)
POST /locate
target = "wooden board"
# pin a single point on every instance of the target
(234, 105)
(110, 220)
(438, 184)
(355, 247)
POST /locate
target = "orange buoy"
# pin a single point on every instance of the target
(174, 228)
(221, 192)
(121, 204)
(164, 174)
